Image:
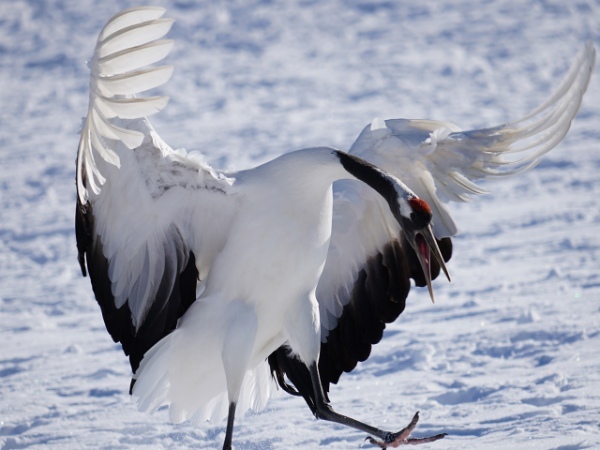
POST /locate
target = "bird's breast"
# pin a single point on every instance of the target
(276, 249)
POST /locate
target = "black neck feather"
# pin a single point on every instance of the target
(373, 176)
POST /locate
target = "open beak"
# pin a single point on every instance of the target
(425, 245)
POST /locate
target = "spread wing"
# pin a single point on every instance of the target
(441, 163)
(369, 265)
(149, 219)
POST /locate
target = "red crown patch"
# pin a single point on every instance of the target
(420, 205)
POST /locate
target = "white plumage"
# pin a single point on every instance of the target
(281, 260)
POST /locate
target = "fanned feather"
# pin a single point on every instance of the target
(130, 108)
(132, 58)
(441, 163)
(134, 35)
(120, 70)
(135, 81)
(130, 16)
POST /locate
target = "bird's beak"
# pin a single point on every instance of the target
(426, 245)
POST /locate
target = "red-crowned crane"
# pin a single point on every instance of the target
(220, 285)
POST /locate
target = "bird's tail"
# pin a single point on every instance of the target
(185, 371)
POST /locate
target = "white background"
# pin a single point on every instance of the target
(509, 356)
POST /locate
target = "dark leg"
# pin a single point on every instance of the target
(229, 432)
(325, 411)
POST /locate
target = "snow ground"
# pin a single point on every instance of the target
(510, 353)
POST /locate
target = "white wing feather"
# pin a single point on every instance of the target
(151, 205)
(109, 75)
(440, 163)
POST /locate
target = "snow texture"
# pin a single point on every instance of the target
(510, 353)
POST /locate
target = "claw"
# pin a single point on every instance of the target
(395, 440)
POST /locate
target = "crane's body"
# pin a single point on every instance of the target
(221, 285)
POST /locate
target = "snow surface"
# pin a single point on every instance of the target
(510, 353)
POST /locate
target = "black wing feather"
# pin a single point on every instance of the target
(174, 295)
(378, 297)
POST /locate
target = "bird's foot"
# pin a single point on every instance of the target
(395, 440)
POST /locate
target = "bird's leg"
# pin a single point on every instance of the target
(229, 432)
(324, 410)
(241, 325)
(386, 439)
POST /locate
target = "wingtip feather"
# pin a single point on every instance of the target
(130, 16)
(126, 47)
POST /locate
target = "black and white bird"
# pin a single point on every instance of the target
(219, 286)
